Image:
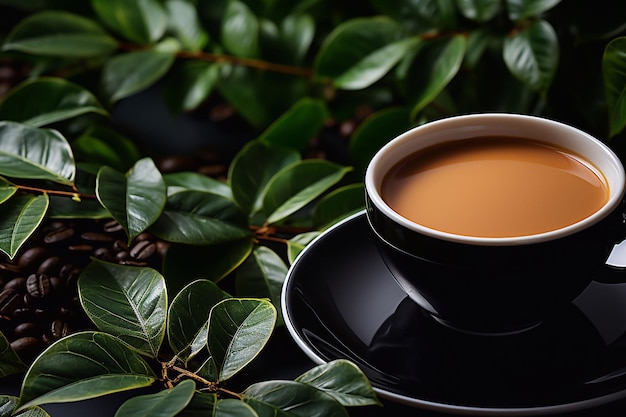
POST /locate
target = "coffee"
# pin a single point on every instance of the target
(494, 187)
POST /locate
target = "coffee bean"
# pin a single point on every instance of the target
(9, 267)
(66, 270)
(25, 329)
(59, 235)
(83, 247)
(103, 253)
(50, 266)
(96, 237)
(17, 284)
(27, 347)
(122, 256)
(120, 245)
(9, 301)
(142, 250)
(143, 236)
(32, 257)
(59, 329)
(112, 226)
(57, 283)
(38, 286)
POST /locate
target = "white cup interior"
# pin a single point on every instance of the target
(497, 124)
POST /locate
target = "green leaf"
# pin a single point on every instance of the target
(189, 313)
(61, 34)
(295, 128)
(6, 190)
(131, 72)
(8, 403)
(238, 330)
(338, 205)
(532, 55)
(184, 263)
(19, 218)
(293, 399)
(141, 21)
(201, 403)
(44, 101)
(252, 93)
(433, 77)
(240, 30)
(167, 403)
(262, 276)
(296, 244)
(614, 72)
(297, 185)
(252, 169)
(342, 380)
(42, 154)
(478, 10)
(185, 24)
(200, 218)
(367, 138)
(231, 407)
(298, 32)
(197, 182)
(522, 9)
(359, 52)
(135, 199)
(81, 366)
(104, 146)
(189, 84)
(419, 16)
(129, 302)
(10, 363)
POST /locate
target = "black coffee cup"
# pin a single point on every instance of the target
(501, 284)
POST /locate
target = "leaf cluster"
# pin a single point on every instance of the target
(186, 350)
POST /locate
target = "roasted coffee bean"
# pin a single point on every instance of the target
(59, 235)
(143, 236)
(27, 347)
(103, 253)
(10, 300)
(59, 329)
(50, 266)
(96, 237)
(120, 245)
(83, 247)
(23, 313)
(66, 270)
(112, 227)
(38, 286)
(32, 257)
(122, 256)
(43, 315)
(162, 247)
(57, 283)
(9, 267)
(142, 250)
(17, 284)
(25, 329)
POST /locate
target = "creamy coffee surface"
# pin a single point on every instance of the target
(494, 187)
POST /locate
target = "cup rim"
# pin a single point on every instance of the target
(617, 187)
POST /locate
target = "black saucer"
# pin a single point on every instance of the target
(340, 301)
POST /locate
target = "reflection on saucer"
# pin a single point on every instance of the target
(349, 306)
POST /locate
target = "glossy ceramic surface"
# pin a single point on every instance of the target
(340, 301)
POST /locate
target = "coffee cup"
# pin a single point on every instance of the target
(490, 222)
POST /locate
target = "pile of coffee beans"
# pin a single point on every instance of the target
(38, 293)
